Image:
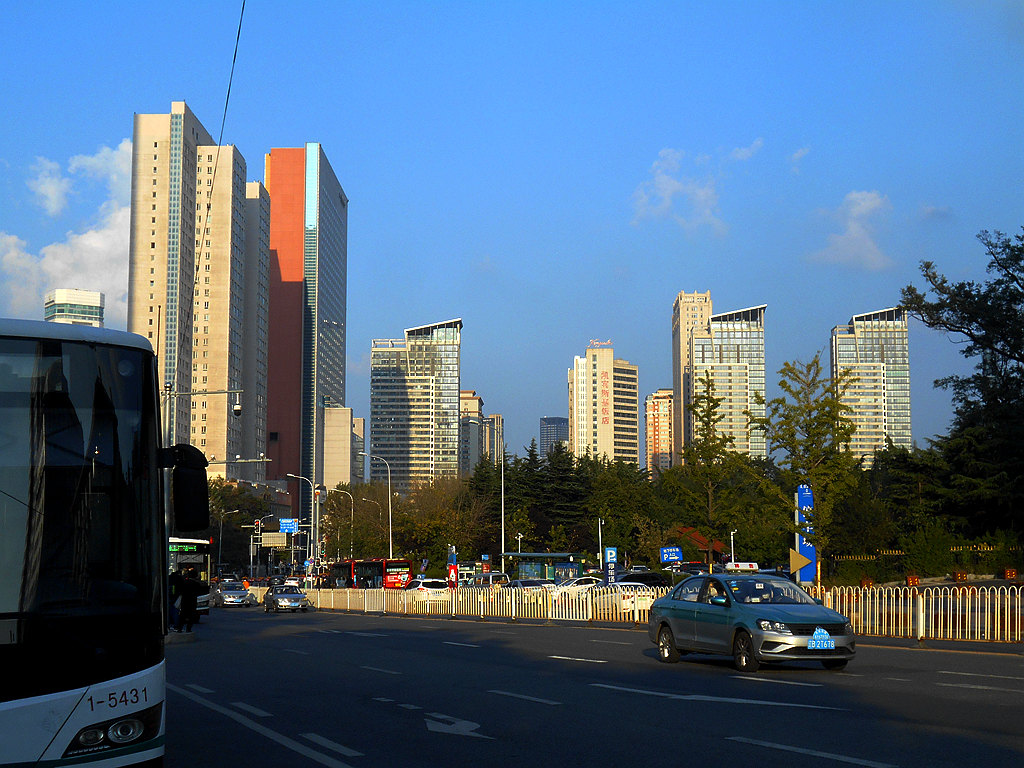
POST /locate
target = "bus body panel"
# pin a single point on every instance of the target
(43, 728)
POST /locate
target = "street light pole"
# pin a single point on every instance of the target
(312, 513)
(600, 545)
(732, 549)
(352, 522)
(377, 503)
(391, 552)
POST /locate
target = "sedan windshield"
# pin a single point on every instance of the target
(774, 591)
(289, 591)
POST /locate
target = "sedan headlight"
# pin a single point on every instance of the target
(777, 627)
(848, 628)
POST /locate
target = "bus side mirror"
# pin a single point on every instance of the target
(190, 493)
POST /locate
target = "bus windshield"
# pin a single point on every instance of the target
(81, 522)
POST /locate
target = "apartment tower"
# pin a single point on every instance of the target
(471, 431)
(689, 311)
(874, 347)
(168, 216)
(658, 420)
(306, 343)
(414, 406)
(603, 406)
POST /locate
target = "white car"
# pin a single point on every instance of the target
(577, 585)
(431, 590)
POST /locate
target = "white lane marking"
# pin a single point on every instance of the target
(978, 674)
(299, 653)
(453, 725)
(330, 631)
(526, 698)
(778, 682)
(383, 698)
(198, 688)
(339, 748)
(979, 687)
(409, 706)
(464, 645)
(811, 752)
(610, 642)
(366, 634)
(570, 658)
(898, 679)
(385, 671)
(271, 734)
(719, 699)
(250, 709)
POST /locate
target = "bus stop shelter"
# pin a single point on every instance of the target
(557, 566)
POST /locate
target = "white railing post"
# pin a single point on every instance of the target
(919, 614)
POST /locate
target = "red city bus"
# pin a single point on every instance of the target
(370, 574)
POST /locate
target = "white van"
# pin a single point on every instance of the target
(494, 579)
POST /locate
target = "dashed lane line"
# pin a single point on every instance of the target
(811, 752)
(284, 741)
(250, 709)
(534, 699)
(777, 682)
(385, 671)
(341, 749)
(715, 699)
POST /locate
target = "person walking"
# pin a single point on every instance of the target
(175, 587)
(188, 612)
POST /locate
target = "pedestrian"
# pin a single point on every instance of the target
(175, 588)
(189, 595)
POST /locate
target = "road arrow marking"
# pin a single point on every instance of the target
(453, 726)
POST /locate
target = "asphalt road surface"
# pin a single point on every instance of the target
(332, 689)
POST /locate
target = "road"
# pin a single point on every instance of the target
(340, 690)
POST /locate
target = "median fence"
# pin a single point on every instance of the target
(959, 612)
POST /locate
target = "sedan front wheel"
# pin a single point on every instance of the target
(743, 657)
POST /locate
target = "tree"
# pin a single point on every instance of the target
(985, 447)
(810, 429)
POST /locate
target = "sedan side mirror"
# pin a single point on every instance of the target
(719, 600)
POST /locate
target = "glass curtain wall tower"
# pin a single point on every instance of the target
(874, 347)
(414, 405)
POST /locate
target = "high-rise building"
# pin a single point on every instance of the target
(494, 438)
(471, 430)
(553, 430)
(414, 405)
(658, 430)
(167, 221)
(874, 347)
(731, 349)
(343, 442)
(198, 272)
(689, 311)
(74, 307)
(306, 342)
(604, 406)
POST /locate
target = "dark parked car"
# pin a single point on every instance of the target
(753, 617)
(647, 578)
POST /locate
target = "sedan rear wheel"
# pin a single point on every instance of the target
(667, 651)
(743, 657)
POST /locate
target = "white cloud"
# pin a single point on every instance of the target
(669, 193)
(797, 156)
(95, 259)
(114, 166)
(745, 153)
(856, 245)
(50, 186)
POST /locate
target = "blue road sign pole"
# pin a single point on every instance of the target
(804, 518)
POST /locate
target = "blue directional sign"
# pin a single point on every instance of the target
(611, 561)
(289, 525)
(805, 504)
(671, 554)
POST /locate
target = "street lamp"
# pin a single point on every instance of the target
(371, 501)
(391, 553)
(220, 536)
(519, 538)
(312, 512)
(489, 425)
(732, 549)
(600, 546)
(352, 522)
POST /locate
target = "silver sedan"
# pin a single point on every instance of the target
(754, 618)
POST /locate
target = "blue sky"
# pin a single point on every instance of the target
(550, 172)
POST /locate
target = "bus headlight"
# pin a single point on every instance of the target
(124, 731)
(90, 737)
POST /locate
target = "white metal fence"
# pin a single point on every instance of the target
(938, 613)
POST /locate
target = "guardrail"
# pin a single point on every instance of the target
(961, 612)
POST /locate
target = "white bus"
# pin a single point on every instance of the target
(194, 553)
(83, 545)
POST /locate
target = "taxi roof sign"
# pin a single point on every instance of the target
(744, 567)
